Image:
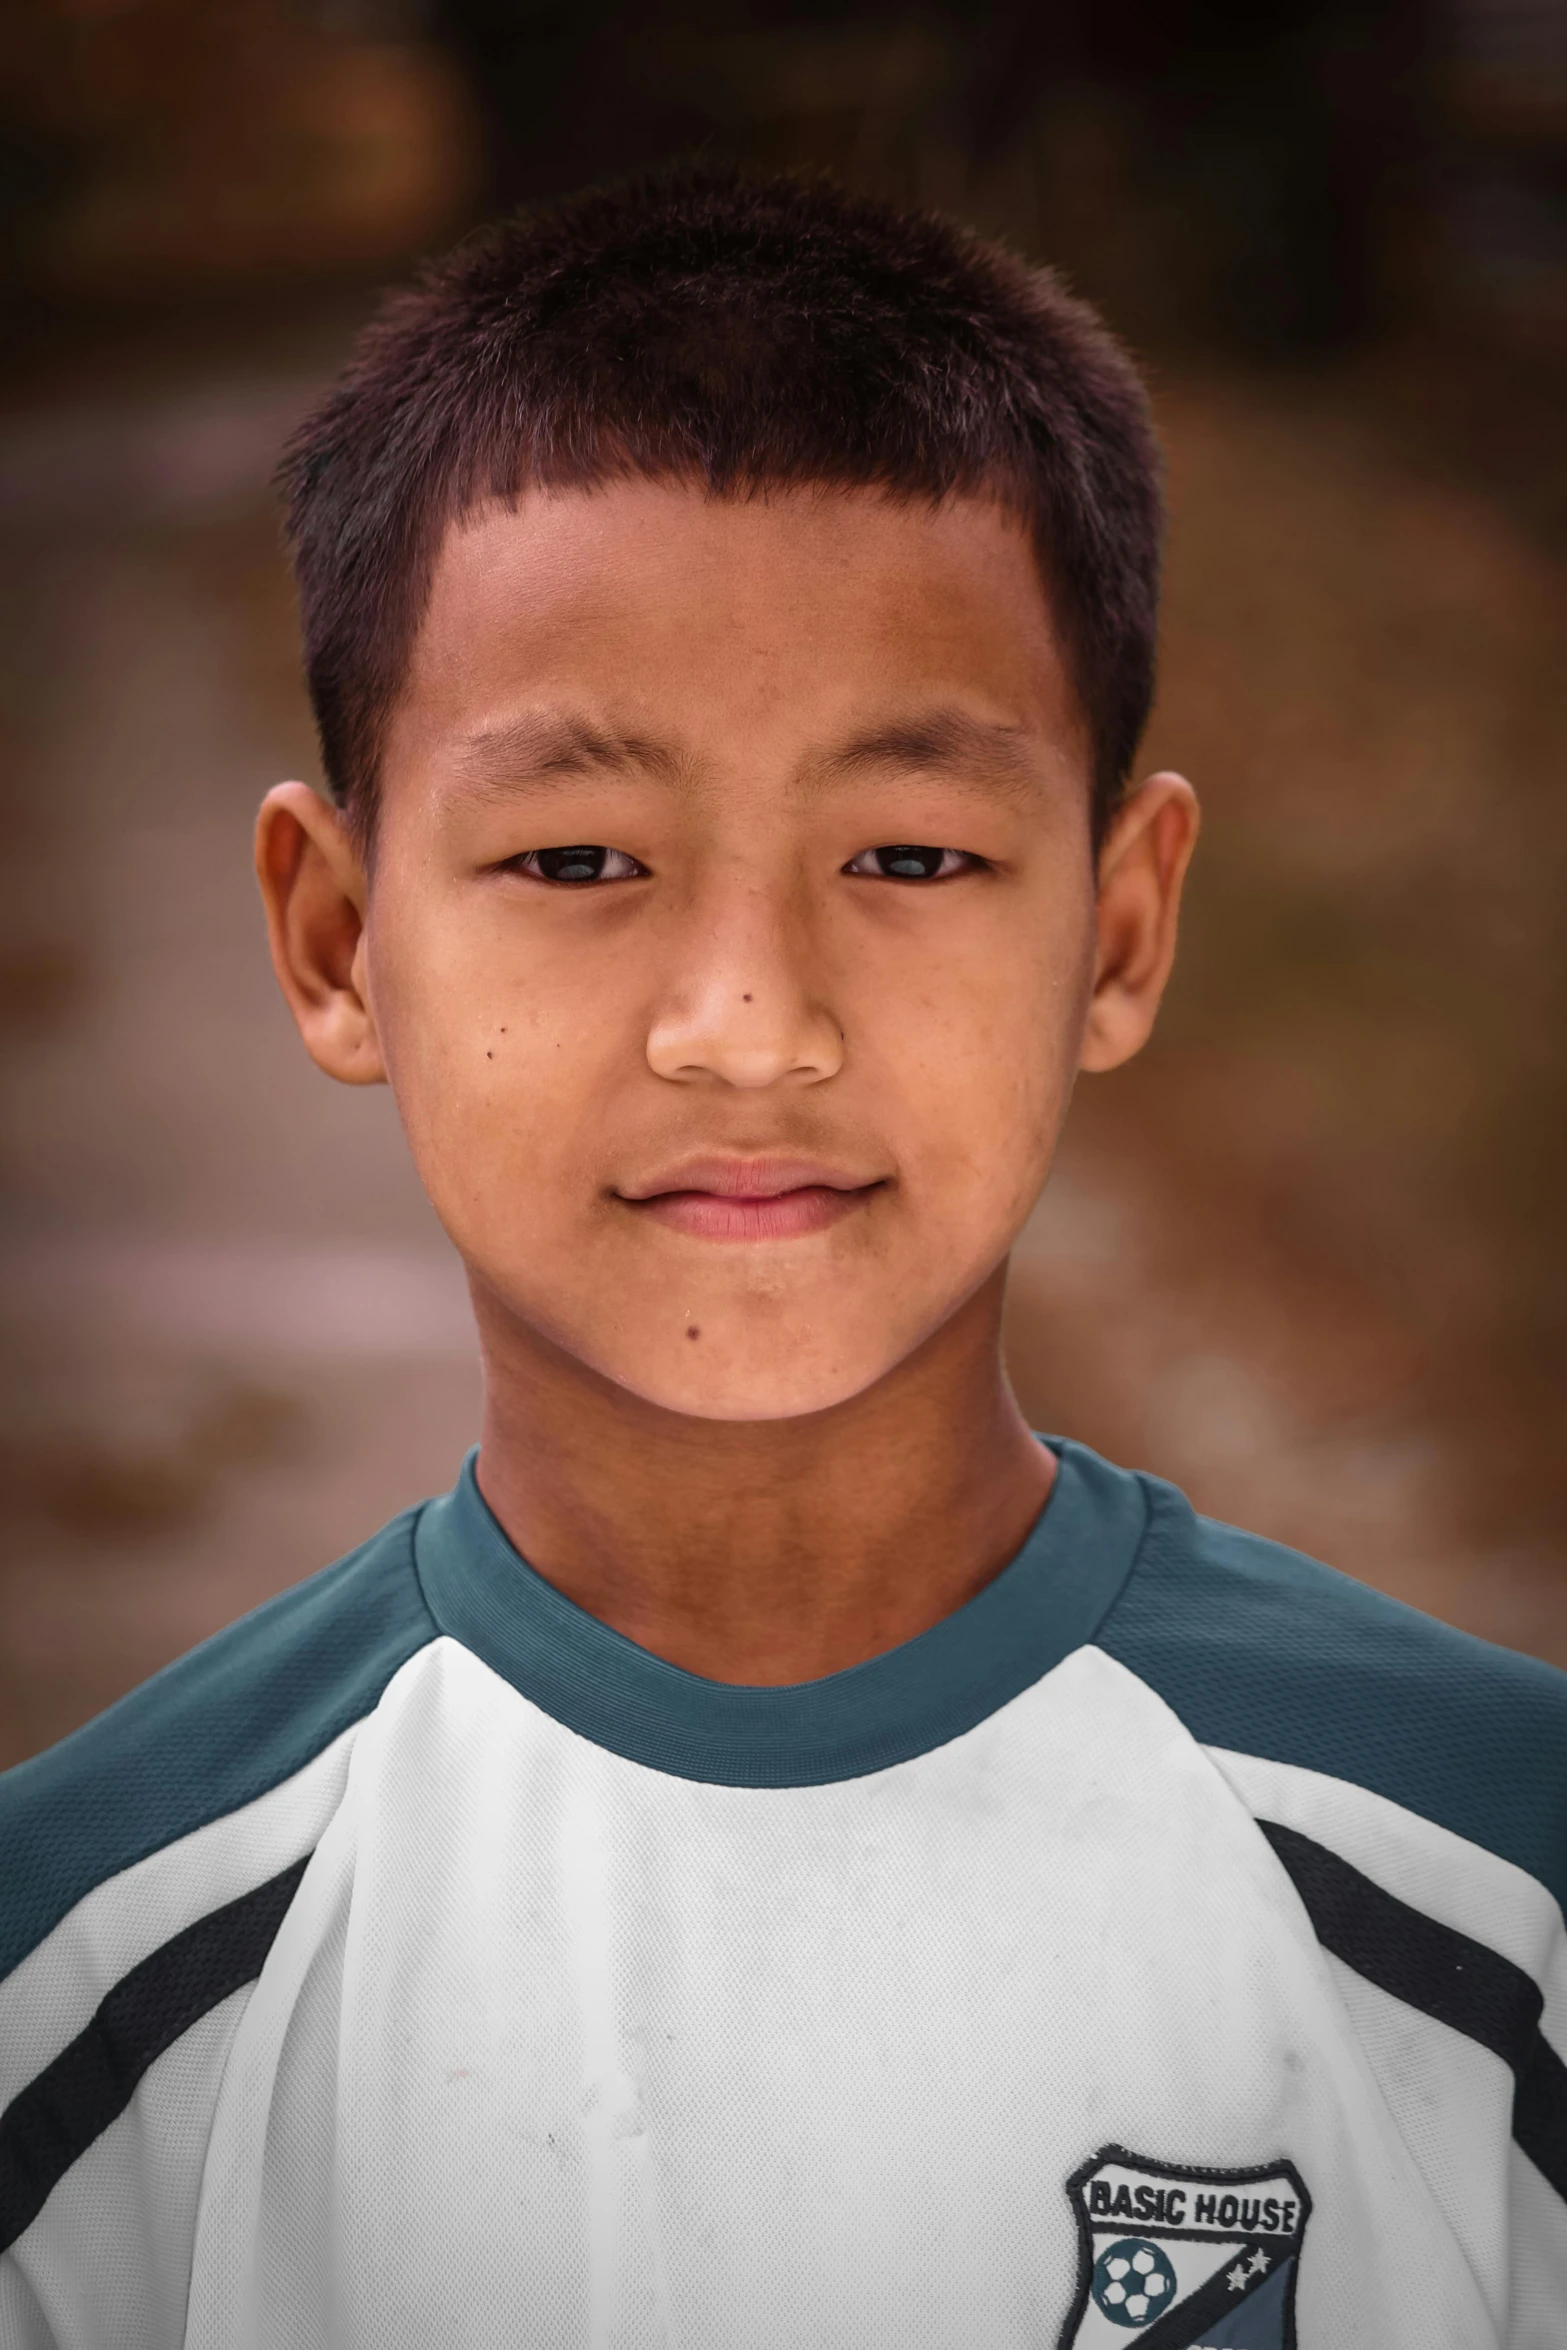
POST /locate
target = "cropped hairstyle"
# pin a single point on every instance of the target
(740, 334)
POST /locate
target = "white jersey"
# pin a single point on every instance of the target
(1165, 1949)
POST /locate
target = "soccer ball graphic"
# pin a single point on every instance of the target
(1133, 2282)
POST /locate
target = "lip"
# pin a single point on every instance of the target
(750, 1199)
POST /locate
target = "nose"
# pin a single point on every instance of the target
(744, 1006)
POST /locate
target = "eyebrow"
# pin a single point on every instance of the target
(541, 746)
(950, 743)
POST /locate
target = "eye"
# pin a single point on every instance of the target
(574, 866)
(904, 862)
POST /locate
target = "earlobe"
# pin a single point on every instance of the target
(1142, 871)
(312, 882)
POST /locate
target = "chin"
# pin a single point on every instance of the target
(752, 1358)
(782, 1385)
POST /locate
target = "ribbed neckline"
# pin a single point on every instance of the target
(1049, 1600)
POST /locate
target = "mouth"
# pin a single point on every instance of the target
(750, 1199)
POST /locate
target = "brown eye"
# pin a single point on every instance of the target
(574, 866)
(905, 862)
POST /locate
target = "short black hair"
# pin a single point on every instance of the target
(744, 334)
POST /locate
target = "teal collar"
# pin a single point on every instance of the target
(1049, 1600)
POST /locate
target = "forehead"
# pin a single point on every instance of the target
(788, 616)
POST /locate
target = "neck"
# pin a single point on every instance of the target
(764, 1551)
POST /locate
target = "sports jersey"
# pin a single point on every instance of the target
(1165, 1948)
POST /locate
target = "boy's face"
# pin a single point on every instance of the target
(739, 1101)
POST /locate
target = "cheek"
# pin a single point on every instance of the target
(974, 1064)
(501, 1067)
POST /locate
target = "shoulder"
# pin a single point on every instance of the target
(1265, 1652)
(238, 1717)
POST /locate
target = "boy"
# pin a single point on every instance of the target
(779, 1855)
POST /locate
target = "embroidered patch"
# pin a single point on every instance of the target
(1176, 2258)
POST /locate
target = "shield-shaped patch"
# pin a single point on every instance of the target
(1172, 2257)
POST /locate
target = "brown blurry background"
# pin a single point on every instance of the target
(1308, 1256)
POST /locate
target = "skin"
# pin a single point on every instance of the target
(734, 1147)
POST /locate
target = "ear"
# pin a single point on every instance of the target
(1142, 867)
(312, 880)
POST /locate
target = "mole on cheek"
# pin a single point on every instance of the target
(745, 999)
(692, 1331)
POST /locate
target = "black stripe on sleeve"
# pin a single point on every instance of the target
(1443, 1973)
(51, 2123)
(1540, 2111)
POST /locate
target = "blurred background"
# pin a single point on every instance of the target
(1309, 1256)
